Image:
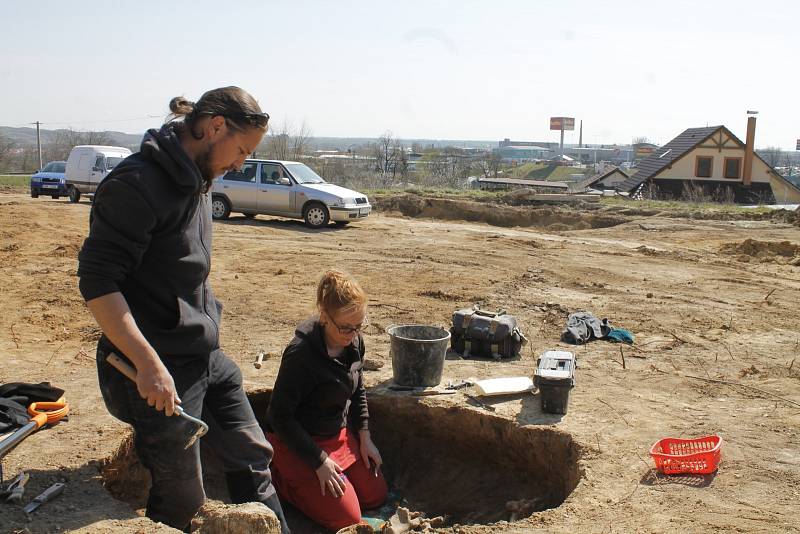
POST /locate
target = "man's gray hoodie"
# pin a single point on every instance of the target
(150, 239)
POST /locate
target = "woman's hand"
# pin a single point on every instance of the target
(369, 452)
(331, 478)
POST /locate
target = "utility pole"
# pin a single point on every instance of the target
(39, 145)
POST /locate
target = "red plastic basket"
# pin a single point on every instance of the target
(699, 455)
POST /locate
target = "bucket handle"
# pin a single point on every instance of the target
(445, 328)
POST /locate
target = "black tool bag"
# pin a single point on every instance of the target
(485, 334)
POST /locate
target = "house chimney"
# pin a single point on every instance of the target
(747, 173)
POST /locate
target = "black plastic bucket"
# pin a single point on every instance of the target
(418, 353)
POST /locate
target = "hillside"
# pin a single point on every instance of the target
(27, 136)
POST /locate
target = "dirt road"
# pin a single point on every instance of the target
(700, 299)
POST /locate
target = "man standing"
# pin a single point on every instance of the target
(144, 275)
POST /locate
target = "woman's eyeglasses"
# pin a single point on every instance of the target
(347, 330)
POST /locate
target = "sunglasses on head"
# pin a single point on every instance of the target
(257, 120)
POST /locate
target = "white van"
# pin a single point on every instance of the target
(87, 165)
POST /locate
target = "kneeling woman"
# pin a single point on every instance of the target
(325, 463)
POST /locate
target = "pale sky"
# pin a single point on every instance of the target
(480, 70)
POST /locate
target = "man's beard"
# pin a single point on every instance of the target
(204, 166)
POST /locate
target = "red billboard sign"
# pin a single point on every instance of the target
(562, 123)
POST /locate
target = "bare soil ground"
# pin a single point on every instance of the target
(700, 298)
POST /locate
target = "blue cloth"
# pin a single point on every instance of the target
(377, 519)
(620, 335)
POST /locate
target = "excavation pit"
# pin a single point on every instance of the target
(443, 458)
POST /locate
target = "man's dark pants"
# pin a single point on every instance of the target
(210, 386)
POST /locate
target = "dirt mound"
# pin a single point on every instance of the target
(69, 250)
(783, 216)
(764, 251)
(440, 295)
(527, 196)
(647, 251)
(549, 218)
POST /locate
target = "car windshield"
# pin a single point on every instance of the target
(112, 162)
(55, 166)
(303, 174)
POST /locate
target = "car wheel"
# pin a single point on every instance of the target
(220, 208)
(54, 197)
(316, 215)
(74, 195)
(34, 194)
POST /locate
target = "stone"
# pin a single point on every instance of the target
(219, 518)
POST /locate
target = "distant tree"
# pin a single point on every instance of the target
(772, 155)
(285, 142)
(640, 140)
(97, 138)
(488, 163)
(278, 142)
(389, 156)
(6, 146)
(402, 164)
(300, 141)
(64, 140)
(382, 152)
(437, 168)
(332, 170)
(61, 144)
(787, 162)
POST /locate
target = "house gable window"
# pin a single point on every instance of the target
(732, 168)
(704, 166)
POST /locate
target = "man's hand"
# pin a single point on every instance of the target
(330, 478)
(156, 386)
(153, 381)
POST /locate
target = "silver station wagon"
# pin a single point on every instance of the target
(286, 189)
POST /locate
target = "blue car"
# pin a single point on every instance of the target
(50, 180)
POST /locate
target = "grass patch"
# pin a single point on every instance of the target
(15, 180)
(438, 192)
(19, 182)
(675, 205)
(543, 171)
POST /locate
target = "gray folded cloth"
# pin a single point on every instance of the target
(583, 327)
